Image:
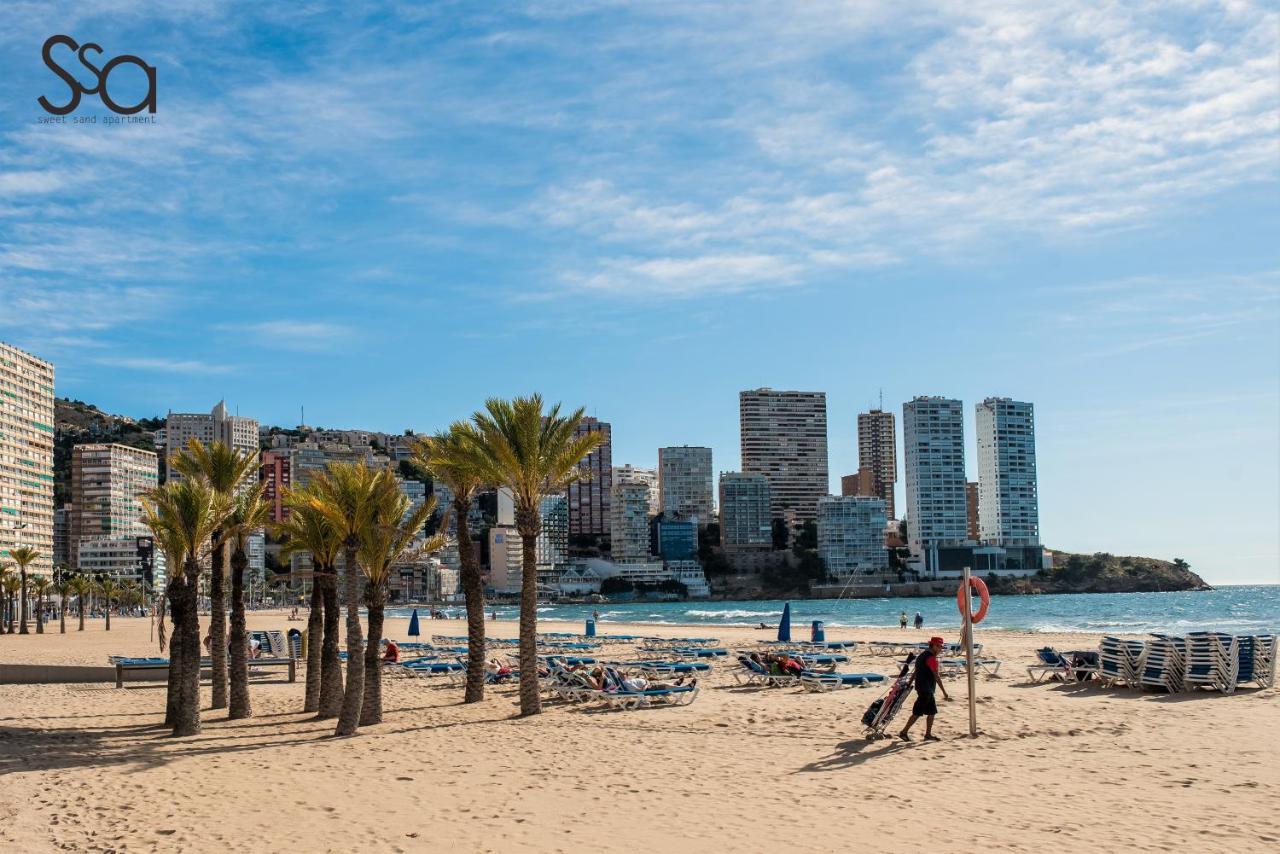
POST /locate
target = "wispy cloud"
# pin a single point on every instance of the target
(164, 365)
(292, 334)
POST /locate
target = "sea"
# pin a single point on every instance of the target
(1235, 609)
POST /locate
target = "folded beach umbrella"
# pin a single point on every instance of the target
(414, 630)
(784, 625)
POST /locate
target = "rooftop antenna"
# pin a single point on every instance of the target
(882, 398)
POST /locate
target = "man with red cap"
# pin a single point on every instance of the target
(926, 680)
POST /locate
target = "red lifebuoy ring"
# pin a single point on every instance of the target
(980, 587)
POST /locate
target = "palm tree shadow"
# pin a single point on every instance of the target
(852, 753)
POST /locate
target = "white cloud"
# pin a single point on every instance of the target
(164, 365)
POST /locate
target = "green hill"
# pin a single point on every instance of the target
(1106, 573)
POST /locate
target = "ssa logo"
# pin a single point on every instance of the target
(101, 74)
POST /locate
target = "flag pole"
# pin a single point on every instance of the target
(968, 652)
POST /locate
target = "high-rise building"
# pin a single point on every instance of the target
(649, 477)
(746, 522)
(26, 455)
(1008, 504)
(629, 528)
(933, 447)
(276, 476)
(971, 510)
(232, 430)
(685, 483)
(62, 535)
(851, 534)
(877, 455)
(784, 437)
(674, 539)
(861, 483)
(589, 498)
(553, 539)
(107, 484)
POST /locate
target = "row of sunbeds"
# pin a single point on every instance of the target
(1169, 663)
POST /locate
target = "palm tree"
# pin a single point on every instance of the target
(185, 515)
(345, 494)
(532, 453)
(23, 557)
(452, 458)
(109, 588)
(393, 527)
(63, 588)
(251, 513)
(12, 585)
(307, 530)
(225, 470)
(81, 586)
(40, 587)
(6, 572)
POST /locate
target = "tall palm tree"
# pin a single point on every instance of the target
(307, 530)
(453, 459)
(225, 470)
(23, 556)
(185, 515)
(394, 525)
(81, 586)
(532, 453)
(109, 588)
(251, 513)
(170, 543)
(344, 493)
(40, 585)
(63, 588)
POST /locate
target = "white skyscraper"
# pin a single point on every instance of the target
(851, 534)
(26, 455)
(629, 527)
(933, 448)
(1008, 505)
(685, 483)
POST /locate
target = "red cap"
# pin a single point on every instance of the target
(936, 640)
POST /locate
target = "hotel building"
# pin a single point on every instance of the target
(26, 455)
(685, 483)
(1008, 504)
(784, 438)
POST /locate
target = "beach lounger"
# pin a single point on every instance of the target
(952, 667)
(753, 673)
(812, 680)
(1058, 666)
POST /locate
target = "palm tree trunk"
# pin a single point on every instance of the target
(80, 609)
(22, 605)
(218, 625)
(530, 695)
(176, 652)
(62, 615)
(371, 708)
(473, 593)
(330, 662)
(108, 610)
(353, 697)
(188, 718)
(240, 705)
(315, 628)
(39, 614)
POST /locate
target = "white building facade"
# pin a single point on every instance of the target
(851, 535)
(629, 528)
(933, 450)
(1008, 502)
(685, 483)
(784, 437)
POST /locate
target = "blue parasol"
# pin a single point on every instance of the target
(784, 625)
(414, 631)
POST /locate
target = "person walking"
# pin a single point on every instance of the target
(919, 621)
(926, 683)
(902, 620)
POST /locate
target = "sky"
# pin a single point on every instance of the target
(387, 212)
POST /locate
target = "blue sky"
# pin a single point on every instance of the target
(388, 211)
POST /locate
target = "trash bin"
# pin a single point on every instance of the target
(591, 628)
(819, 633)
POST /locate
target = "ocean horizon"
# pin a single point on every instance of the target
(1238, 609)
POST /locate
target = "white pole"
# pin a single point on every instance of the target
(968, 653)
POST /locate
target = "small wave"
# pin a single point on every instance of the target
(731, 614)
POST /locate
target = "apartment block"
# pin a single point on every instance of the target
(933, 448)
(1008, 501)
(26, 454)
(877, 455)
(685, 483)
(107, 484)
(649, 477)
(746, 523)
(218, 426)
(629, 528)
(784, 438)
(851, 534)
(589, 498)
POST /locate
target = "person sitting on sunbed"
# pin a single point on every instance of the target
(499, 672)
(390, 652)
(790, 666)
(774, 663)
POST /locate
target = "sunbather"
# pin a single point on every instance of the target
(390, 652)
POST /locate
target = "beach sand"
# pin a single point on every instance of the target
(1056, 767)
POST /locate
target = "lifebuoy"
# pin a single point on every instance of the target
(980, 587)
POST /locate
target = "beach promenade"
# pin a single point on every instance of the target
(1057, 767)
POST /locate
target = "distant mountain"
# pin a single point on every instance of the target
(78, 423)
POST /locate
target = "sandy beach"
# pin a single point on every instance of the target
(1061, 767)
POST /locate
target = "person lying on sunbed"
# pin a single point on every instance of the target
(639, 683)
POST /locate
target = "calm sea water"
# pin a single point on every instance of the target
(1239, 610)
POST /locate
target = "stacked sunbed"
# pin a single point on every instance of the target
(1163, 663)
(1169, 663)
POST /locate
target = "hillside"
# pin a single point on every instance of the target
(77, 423)
(1106, 573)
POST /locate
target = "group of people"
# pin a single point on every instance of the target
(919, 620)
(778, 663)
